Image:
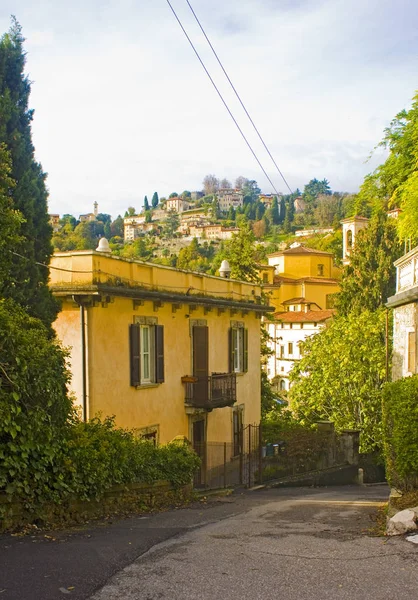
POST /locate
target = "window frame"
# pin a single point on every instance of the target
(154, 352)
(238, 348)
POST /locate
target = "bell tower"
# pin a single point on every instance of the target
(351, 227)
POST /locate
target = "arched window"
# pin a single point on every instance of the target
(282, 384)
(349, 239)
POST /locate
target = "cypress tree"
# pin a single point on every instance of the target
(155, 200)
(29, 284)
(146, 204)
(275, 217)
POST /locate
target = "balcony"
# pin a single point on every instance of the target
(213, 391)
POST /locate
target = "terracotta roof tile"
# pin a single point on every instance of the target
(312, 316)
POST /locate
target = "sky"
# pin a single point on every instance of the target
(123, 108)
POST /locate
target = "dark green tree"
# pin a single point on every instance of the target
(131, 212)
(10, 219)
(369, 279)
(282, 211)
(116, 227)
(29, 286)
(154, 201)
(314, 188)
(274, 213)
(107, 231)
(104, 218)
(146, 204)
(173, 195)
(171, 224)
(148, 216)
(231, 213)
(68, 220)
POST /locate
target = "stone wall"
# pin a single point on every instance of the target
(119, 499)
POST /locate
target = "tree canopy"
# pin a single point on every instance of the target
(341, 374)
(29, 285)
(370, 278)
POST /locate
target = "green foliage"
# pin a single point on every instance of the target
(274, 213)
(98, 455)
(34, 406)
(146, 204)
(154, 201)
(10, 219)
(240, 252)
(369, 279)
(171, 224)
(173, 195)
(341, 374)
(394, 183)
(400, 423)
(315, 188)
(28, 280)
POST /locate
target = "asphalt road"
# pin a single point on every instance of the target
(287, 544)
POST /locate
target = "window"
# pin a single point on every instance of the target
(411, 352)
(150, 434)
(237, 422)
(282, 384)
(290, 348)
(330, 301)
(238, 349)
(265, 278)
(146, 349)
(320, 270)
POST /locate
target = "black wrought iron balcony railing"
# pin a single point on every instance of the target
(213, 391)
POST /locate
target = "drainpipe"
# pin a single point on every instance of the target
(83, 355)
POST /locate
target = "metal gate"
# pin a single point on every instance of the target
(226, 464)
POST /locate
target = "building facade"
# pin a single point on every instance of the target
(229, 197)
(169, 353)
(405, 316)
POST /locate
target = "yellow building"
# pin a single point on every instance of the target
(301, 284)
(300, 272)
(172, 353)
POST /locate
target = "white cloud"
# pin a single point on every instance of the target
(123, 107)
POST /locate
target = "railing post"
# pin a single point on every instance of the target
(241, 456)
(249, 456)
(224, 464)
(260, 455)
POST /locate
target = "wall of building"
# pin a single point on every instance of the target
(405, 320)
(162, 405)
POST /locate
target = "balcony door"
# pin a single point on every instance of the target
(200, 350)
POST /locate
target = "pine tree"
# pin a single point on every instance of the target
(29, 284)
(155, 200)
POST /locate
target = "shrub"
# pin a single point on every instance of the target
(99, 455)
(400, 423)
(34, 406)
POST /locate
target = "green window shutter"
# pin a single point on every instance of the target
(231, 350)
(159, 354)
(134, 354)
(245, 363)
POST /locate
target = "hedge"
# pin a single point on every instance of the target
(400, 423)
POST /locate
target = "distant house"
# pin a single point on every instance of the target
(299, 204)
(228, 197)
(301, 284)
(168, 352)
(177, 204)
(267, 199)
(300, 320)
(405, 316)
(90, 216)
(54, 221)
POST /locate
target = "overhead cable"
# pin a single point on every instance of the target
(222, 98)
(238, 96)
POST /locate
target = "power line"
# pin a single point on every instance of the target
(238, 96)
(221, 97)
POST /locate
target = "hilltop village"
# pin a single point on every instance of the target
(219, 338)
